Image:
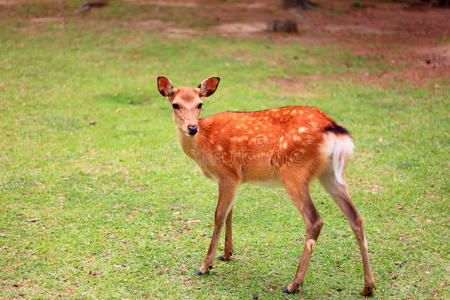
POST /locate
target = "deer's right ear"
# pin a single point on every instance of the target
(165, 86)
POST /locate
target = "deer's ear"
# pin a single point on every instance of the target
(208, 86)
(165, 86)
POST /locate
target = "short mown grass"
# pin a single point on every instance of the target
(116, 209)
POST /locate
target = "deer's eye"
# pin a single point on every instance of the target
(200, 105)
(175, 106)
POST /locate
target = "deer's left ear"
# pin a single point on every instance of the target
(208, 86)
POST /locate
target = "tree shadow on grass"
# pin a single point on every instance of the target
(123, 98)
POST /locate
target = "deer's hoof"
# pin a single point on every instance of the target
(368, 290)
(198, 272)
(295, 289)
(224, 258)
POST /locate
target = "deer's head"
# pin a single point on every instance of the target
(186, 102)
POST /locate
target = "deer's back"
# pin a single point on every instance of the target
(255, 145)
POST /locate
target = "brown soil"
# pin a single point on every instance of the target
(293, 87)
(240, 29)
(165, 3)
(401, 36)
(46, 19)
(406, 39)
(169, 29)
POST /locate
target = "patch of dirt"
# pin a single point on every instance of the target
(165, 3)
(181, 33)
(293, 87)
(155, 25)
(169, 29)
(357, 29)
(259, 4)
(46, 19)
(7, 2)
(407, 41)
(443, 50)
(240, 29)
(435, 56)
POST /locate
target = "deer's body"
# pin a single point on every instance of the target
(253, 146)
(289, 146)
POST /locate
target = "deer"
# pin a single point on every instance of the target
(289, 146)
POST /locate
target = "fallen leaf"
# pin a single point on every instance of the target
(31, 220)
(95, 273)
(403, 238)
(399, 263)
(192, 222)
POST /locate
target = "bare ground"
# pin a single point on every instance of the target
(399, 35)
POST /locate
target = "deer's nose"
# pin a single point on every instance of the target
(193, 129)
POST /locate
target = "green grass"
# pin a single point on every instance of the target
(100, 211)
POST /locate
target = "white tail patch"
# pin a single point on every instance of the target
(339, 148)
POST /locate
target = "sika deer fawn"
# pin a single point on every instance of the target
(289, 145)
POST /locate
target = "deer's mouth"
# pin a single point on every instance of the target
(188, 133)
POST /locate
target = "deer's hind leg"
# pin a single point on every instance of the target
(298, 191)
(341, 196)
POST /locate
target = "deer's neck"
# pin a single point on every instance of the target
(187, 143)
(197, 146)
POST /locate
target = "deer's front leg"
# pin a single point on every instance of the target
(228, 250)
(227, 192)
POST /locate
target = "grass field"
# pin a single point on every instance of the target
(116, 209)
